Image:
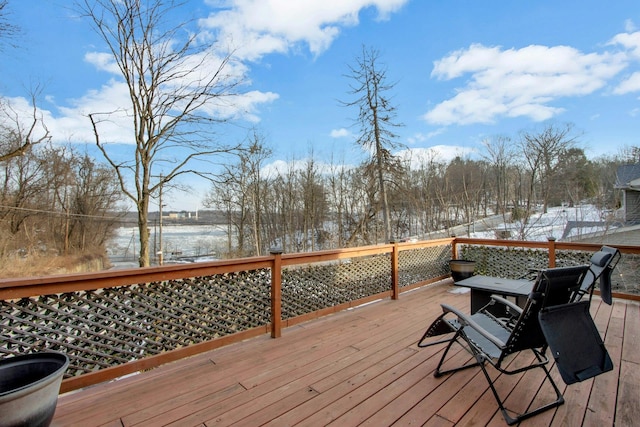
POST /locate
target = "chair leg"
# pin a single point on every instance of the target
(438, 372)
(511, 420)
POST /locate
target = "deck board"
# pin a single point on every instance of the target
(359, 367)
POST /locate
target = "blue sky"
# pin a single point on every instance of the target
(465, 70)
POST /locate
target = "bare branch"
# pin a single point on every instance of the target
(19, 138)
(8, 31)
(173, 84)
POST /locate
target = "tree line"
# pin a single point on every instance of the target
(318, 206)
(57, 200)
(54, 200)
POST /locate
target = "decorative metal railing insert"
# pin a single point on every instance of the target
(516, 262)
(418, 264)
(107, 327)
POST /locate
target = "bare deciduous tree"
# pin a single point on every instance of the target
(254, 159)
(500, 154)
(174, 83)
(314, 203)
(543, 152)
(240, 192)
(57, 202)
(377, 118)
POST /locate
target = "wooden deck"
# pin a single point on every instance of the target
(359, 367)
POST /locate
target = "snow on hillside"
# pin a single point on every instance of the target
(563, 223)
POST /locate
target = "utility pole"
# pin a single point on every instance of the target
(160, 252)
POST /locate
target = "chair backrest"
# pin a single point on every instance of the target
(553, 286)
(601, 267)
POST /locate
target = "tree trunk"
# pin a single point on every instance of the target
(143, 229)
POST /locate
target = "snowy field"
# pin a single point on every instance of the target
(179, 242)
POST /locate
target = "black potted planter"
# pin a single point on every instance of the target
(461, 269)
(29, 387)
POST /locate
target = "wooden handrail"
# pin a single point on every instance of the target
(56, 284)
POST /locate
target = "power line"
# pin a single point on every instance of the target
(65, 214)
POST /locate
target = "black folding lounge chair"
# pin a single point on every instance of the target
(491, 339)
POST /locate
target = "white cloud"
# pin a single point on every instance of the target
(518, 82)
(102, 61)
(420, 137)
(630, 41)
(284, 168)
(242, 106)
(416, 137)
(71, 124)
(17, 113)
(341, 133)
(255, 27)
(631, 84)
(438, 154)
(630, 26)
(260, 27)
(109, 103)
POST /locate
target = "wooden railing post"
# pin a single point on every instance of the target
(552, 252)
(454, 247)
(276, 293)
(395, 273)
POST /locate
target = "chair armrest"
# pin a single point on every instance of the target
(512, 308)
(466, 320)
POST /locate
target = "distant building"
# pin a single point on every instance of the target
(628, 180)
(178, 215)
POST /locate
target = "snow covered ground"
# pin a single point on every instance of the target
(563, 223)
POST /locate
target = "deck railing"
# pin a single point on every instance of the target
(119, 322)
(514, 259)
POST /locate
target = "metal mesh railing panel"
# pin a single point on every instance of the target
(625, 277)
(307, 289)
(507, 262)
(416, 265)
(514, 263)
(108, 327)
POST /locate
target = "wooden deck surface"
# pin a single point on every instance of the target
(359, 367)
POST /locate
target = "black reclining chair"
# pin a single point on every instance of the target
(492, 339)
